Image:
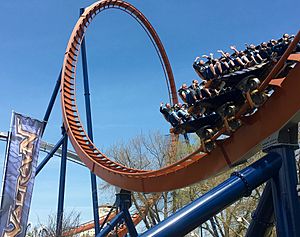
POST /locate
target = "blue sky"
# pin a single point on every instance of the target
(126, 79)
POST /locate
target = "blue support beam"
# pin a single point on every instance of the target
(95, 202)
(123, 201)
(89, 129)
(129, 224)
(62, 183)
(50, 154)
(107, 216)
(52, 101)
(285, 197)
(263, 217)
(202, 209)
(111, 225)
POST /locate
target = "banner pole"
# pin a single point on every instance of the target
(6, 157)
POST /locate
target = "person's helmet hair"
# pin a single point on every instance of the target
(285, 35)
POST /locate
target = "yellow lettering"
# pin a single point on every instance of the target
(16, 229)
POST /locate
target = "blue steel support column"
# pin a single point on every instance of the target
(129, 223)
(89, 129)
(285, 197)
(51, 153)
(202, 209)
(123, 202)
(263, 217)
(52, 101)
(107, 216)
(111, 225)
(62, 182)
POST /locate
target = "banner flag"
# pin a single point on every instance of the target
(21, 162)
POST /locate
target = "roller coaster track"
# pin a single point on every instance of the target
(276, 112)
(121, 231)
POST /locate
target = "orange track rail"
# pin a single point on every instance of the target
(273, 115)
(87, 226)
(122, 230)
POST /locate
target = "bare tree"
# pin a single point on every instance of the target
(48, 229)
(234, 220)
(153, 152)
